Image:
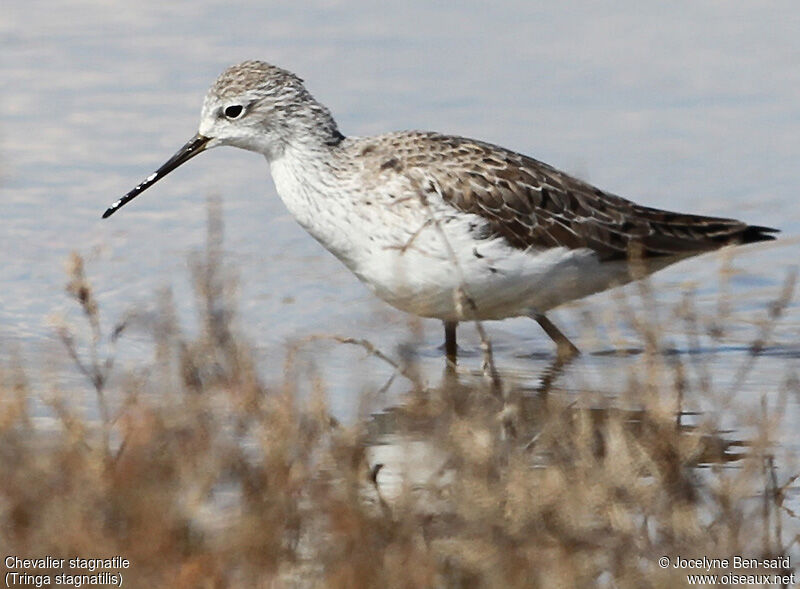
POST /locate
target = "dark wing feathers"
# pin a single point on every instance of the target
(532, 204)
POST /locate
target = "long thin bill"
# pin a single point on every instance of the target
(194, 146)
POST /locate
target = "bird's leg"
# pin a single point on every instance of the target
(450, 347)
(566, 349)
(552, 372)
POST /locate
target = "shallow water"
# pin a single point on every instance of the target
(689, 107)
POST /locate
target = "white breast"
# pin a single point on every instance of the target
(397, 247)
(318, 206)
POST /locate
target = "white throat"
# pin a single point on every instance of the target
(314, 195)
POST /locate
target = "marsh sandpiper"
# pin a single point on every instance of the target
(438, 225)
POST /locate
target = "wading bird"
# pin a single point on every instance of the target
(438, 225)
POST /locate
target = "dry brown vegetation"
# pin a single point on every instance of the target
(202, 476)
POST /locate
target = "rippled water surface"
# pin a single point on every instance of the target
(689, 106)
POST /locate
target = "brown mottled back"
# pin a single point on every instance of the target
(532, 204)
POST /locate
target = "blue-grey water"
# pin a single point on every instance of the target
(686, 105)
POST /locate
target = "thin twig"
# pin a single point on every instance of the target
(371, 350)
(461, 296)
(409, 242)
(776, 310)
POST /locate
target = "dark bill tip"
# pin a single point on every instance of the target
(194, 146)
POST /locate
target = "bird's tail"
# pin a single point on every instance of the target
(755, 233)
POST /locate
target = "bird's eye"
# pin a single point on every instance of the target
(233, 111)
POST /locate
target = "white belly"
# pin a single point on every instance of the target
(500, 281)
(401, 255)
